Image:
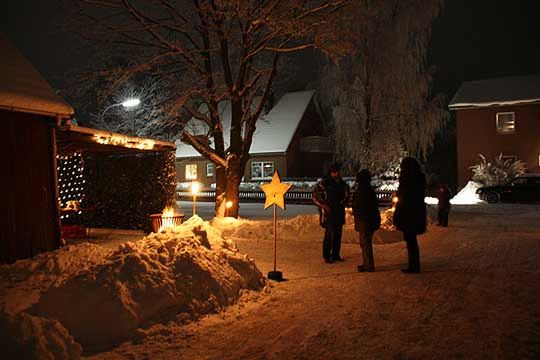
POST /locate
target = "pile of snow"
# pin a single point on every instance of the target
(180, 273)
(467, 195)
(22, 283)
(298, 228)
(24, 336)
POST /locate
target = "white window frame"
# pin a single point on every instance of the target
(503, 130)
(210, 169)
(261, 164)
(189, 174)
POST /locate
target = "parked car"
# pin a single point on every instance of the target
(524, 188)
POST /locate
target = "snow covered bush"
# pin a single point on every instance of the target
(497, 172)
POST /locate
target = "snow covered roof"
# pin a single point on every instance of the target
(23, 89)
(274, 132)
(497, 92)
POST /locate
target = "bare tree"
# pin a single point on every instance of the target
(380, 96)
(210, 52)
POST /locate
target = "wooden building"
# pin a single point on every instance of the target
(35, 127)
(498, 116)
(29, 111)
(288, 138)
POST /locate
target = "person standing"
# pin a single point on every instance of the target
(444, 195)
(410, 213)
(331, 195)
(367, 218)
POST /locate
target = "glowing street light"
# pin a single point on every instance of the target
(195, 188)
(127, 104)
(132, 102)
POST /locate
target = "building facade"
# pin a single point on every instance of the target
(288, 139)
(499, 116)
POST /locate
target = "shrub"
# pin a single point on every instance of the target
(499, 171)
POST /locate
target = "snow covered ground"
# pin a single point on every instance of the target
(478, 297)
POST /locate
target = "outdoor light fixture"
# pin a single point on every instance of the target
(127, 104)
(195, 188)
(228, 205)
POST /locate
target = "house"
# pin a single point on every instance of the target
(497, 116)
(36, 130)
(288, 138)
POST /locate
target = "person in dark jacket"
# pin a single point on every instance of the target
(367, 218)
(410, 213)
(331, 195)
(444, 195)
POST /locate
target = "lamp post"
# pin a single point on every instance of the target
(127, 104)
(195, 187)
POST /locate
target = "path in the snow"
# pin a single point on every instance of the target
(477, 298)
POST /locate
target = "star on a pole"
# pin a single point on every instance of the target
(275, 192)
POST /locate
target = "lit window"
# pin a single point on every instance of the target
(191, 172)
(506, 122)
(262, 169)
(209, 169)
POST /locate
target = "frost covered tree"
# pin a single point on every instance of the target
(206, 53)
(380, 97)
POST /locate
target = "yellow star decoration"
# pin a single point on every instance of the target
(275, 192)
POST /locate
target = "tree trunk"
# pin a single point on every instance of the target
(234, 173)
(221, 188)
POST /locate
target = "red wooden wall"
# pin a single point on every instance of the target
(28, 208)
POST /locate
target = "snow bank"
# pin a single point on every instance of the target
(467, 195)
(22, 283)
(24, 336)
(102, 296)
(298, 228)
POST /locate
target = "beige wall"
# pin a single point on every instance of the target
(280, 164)
(477, 134)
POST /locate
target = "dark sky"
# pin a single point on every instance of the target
(474, 39)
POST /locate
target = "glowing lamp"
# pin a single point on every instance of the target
(228, 205)
(131, 102)
(195, 188)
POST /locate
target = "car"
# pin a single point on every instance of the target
(523, 188)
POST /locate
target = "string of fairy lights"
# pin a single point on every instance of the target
(71, 184)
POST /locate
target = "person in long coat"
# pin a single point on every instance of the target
(410, 213)
(331, 195)
(367, 218)
(444, 195)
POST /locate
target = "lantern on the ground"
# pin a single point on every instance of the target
(195, 188)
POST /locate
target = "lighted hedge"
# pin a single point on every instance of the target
(123, 190)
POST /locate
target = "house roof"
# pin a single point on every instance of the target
(23, 89)
(72, 138)
(497, 92)
(274, 132)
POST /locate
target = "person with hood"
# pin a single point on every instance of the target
(367, 218)
(410, 213)
(331, 195)
(444, 195)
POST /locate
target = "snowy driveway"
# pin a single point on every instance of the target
(478, 297)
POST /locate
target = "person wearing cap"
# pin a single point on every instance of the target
(331, 195)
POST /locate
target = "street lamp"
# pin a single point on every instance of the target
(127, 104)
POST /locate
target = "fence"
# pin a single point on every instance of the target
(291, 197)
